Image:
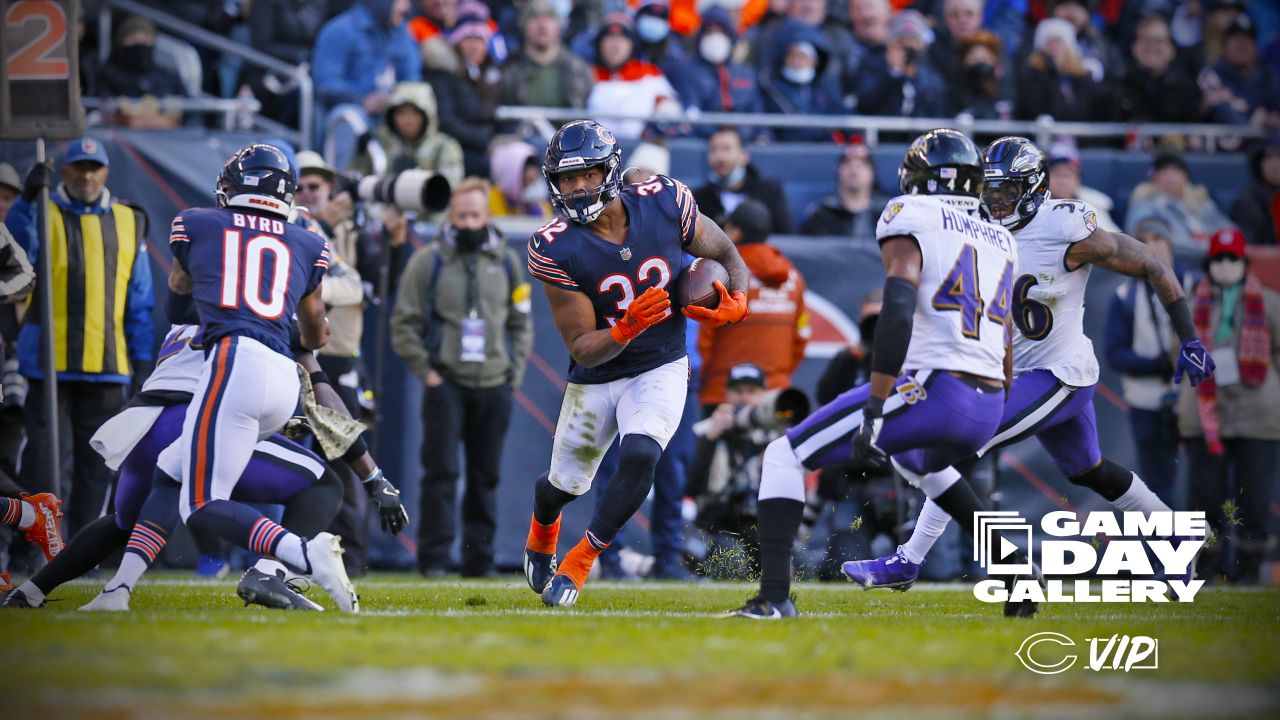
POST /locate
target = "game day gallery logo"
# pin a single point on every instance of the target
(1128, 557)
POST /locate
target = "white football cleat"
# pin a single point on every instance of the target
(114, 600)
(324, 552)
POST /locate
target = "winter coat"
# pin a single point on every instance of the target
(354, 49)
(1257, 210)
(575, 76)
(432, 150)
(756, 187)
(465, 101)
(829, 217)
(820, 97)
(772, 337)
(1191, 218)
(1042, 90)
(1172, 97)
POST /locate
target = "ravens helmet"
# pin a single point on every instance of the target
(258, 177)
(1017, 181)
(580, 145)
(941, 162)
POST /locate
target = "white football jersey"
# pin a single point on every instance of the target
(178, 362)
(1049, 300)
(965, 283)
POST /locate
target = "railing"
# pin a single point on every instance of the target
(200, 36)
(237, 113)
(1043, 129)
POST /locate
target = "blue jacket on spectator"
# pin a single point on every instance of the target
(879, 92)
(354, 49)
(1256, 86)
(139, 300)
(820, 97)
(728, 87)
(1139, 341)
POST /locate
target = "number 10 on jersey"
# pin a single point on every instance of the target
(961, 293)
(242, 273)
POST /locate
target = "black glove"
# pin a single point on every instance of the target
(387, 499)
(866, 455)
(142, 370)
(41, 176)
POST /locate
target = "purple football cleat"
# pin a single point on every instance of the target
(894, 572)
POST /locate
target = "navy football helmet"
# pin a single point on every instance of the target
(258, 177)
(580, 145)
(941, 162)
(1017, 181)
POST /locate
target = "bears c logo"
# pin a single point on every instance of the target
(605, 135)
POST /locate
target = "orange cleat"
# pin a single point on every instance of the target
(5, 583)
(47, 529)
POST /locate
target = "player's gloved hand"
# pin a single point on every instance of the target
(142, 370)
(866, 456)
(386, 498)
(732, 308)
(1195, 362)
(41, 176)
(643, 313)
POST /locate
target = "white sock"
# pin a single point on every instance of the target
(28, 516)
(33, 594)
(929, 526)
(1139, 497)
(290, 550)
(131, 569)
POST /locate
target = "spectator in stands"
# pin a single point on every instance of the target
(518, 187)
(434, 19)
(1187, 209)
(774, 335)
(1257, 210)
(410, 136)
(1238, 88)
(960, 20)
(131, 69)
(1065, 183)
(103, 307)
(655, 42)
(10, 188)
(1097, 54)
(851, 211)
(466, 81)
(1200, 27)
(799, 82)
(359, 57)
(1054, 81)
(462, 324)
(902, 82)
(1158, 88)
(715, 82)
(1138, 342)
(1232, 422)
(870, 20)
(850, 367)
(544, 73)
(982, 88)
(287, 31)
(625, 84)
(766, 47)
(734, 179)
(647, 160)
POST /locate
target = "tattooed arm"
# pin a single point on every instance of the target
(1120, 253)
(709, 241)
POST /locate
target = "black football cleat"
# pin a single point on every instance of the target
(757, 608)
(259, 588)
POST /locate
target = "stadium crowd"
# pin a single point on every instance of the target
(424, 80)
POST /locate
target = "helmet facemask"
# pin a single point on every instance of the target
(583, 206)
(1013, 201)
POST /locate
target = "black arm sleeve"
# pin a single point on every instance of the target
(1180, 315)
(181, 309)
(893, 331)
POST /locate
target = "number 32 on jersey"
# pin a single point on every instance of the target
(960, 292)
(648, 268)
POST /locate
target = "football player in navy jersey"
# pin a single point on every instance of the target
(251, 271)
(606, 263)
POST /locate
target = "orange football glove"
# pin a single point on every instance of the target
(732, 308)
(652, 307)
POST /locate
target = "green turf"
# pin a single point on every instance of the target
(489, 649)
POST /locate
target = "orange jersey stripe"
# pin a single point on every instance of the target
(202, 446)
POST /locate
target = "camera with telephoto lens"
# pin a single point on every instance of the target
(777, 410)
(414, 190)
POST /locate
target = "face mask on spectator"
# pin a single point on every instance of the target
(469, 239)
(1225, 271)
(715, 48)
(978, 73)
(799, 76)
(138, 58)
(652, 29)
(734, 177)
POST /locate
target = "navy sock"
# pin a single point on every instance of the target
(548, 500)
(627, 489)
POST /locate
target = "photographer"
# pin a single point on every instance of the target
(462, 324)
(724, 478)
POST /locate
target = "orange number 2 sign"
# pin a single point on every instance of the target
(46, 24)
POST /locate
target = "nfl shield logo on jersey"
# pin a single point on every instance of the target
(625, 253)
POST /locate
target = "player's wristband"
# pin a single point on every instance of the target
(319, 378)
(874, 408)
(1180, 316)
(374, 476)
(893, 329)
(356, 451)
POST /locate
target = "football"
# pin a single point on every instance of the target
(696, 284)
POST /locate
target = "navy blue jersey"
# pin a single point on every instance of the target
(661, 216)
(250, 271)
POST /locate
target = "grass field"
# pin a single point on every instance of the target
(454, 649)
